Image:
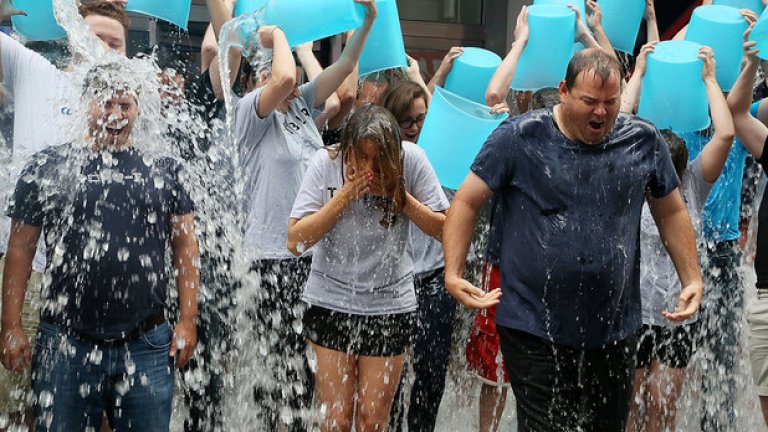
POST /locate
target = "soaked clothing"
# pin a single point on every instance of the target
(671, 346)
(361, 267)
(570, 249)
(44, 103)
(720, 219)
(274, 155)
(559, 388)
(107, 223)
(659, 284)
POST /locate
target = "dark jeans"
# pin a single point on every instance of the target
(76, 381)
(559, 388)
(720, 334)
(432, 347)
(278, 316)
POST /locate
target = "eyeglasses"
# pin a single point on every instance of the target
(407, 124)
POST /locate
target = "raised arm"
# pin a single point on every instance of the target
(715, 153)
(630, 97)
(6, 12)
(282, 80)
(332, 77)
(413, 72)
(652, 25)
(501, 80)
(595, 21)
(186, 262)
(22, 244)
(457, 235)
(676, 231)
(751, 132)
(438, 79)
(582, 32)
(220, 12)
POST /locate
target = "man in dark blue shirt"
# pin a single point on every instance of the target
(571, 183)
(109, 213)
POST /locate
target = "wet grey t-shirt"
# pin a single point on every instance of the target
(361, 267)
(274, 154)
(659, 284)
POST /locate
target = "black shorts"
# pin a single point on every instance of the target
(672, 346)
(365, 335)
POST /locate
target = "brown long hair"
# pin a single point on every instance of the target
(375, 123)
(397, 98)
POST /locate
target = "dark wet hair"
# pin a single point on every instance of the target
(545, 98)
(591, 59)
(375, 123)
(108, 10)
(677, 149)
(104, 80)
(397, 98)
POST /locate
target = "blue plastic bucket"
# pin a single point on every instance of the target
(549, 49)
(580, 5)
(309, 20)
(40, 24)
(174, 11)
(755, 6)
(621, 22)
(384, 48)
(760, 35)
(471, 73)
(248, 6)
(721, 28)
(454, 131)
(674, 96)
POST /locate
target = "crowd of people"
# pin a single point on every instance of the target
(612, 252)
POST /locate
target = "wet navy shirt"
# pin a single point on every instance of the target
(106, 218)
(571, 224)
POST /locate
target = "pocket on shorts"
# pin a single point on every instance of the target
(159, 337)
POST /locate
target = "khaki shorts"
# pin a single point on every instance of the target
(16, 388)
(757, 317)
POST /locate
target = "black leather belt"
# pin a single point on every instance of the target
(145, 326)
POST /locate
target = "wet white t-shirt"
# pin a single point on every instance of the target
(274, 154)
(45, 100)
(361, 267)
(659, 284)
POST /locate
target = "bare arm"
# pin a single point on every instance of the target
(347, 93)
(751, 132)
(582, 32)
(22, 244)
(282, 80)
(652, 25)
(428, 220)
(502, 78)
(306, 232)
(186, 262)
(438, 79)
(630, 97)
(332, 77)
(457, 235)
(715, 153)
(414, 74)
(676, 231)
(595, 21)
(220, 12)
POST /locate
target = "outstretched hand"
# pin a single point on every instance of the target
(687, 305)
(470, 295)
(522, 29)
(750, 52)
(7, 10)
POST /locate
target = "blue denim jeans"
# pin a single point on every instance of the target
(76, 381)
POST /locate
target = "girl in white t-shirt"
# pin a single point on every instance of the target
(355, 205)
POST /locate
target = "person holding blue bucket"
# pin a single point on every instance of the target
(276, 138)
(665, 347)
(572, 182)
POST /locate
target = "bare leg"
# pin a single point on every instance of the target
(335, 388)
(764, 408)
(635, 423)
(377, 383)
(663, 391)
(492, 401)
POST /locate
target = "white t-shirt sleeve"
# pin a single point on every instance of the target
(247, 120)
(19, 62)
(311, 196)
(421, 180)
(700, 186)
